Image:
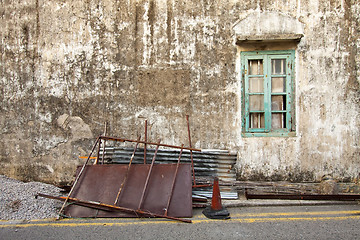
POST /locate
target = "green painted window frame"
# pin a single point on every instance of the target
(288, 111)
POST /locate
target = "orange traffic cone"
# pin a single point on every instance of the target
(216, 210)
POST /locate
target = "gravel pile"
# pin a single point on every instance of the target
(18, 202)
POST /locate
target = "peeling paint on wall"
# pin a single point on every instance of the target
(67, 67)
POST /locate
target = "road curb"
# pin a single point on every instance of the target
(268, 203)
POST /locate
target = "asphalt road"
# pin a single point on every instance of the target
(296, 222)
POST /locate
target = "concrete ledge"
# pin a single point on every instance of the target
(268, 38)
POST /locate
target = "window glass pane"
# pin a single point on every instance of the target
(256, 67)
(278, 103)
(256, 102)
(278, 84)
(257, 120)
(256, 85)
(278, 120)
(278, 66)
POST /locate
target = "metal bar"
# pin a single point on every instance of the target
(103, 206)
(145, 145)
(191, 155)
(202, 185)
(78, 176)
(333, 197)
(87, 157)
(199, 205)
(97, 154)
(103, 152)
(148, 177)
(70, 199)
(199, 199)
(127, 172)
(173, 184)
(149, 143)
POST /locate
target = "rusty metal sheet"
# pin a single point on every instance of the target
(101, 183)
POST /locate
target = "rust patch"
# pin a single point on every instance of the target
(101, 183)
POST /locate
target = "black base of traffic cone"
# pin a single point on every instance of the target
(216, 210)
(216, 214)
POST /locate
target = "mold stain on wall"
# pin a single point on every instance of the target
(67, 67)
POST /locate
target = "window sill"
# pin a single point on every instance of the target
(269, 134)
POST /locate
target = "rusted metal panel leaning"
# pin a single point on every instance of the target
(166, 191)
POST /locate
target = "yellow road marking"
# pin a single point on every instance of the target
(285, 214)
(60, 224)
(254, 220)
(236, 218)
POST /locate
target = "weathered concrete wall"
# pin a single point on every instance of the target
(67, 67)
(327, 96)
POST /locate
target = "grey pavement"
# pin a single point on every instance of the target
(288, 222)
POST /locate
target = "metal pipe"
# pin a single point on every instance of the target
(173, 183)
(127, 172)
(149, 143)
(145, 145)
(191, 155)
(103, 206)
(202, 185)
(97, 154)
(103, 152)
(148, 177)
(78, 176)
